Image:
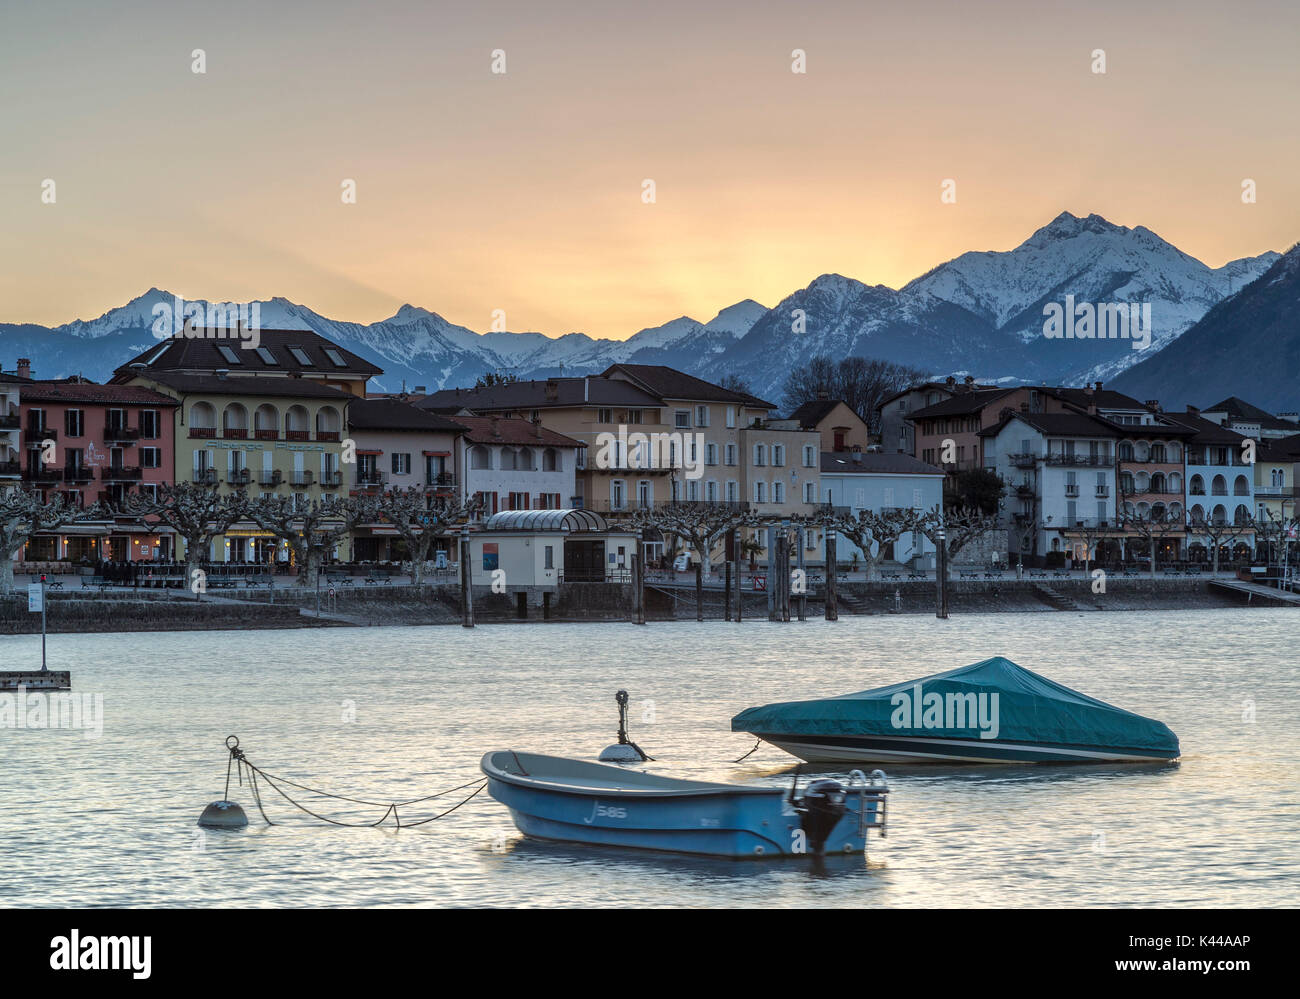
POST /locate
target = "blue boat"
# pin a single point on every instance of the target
(989, 712)
(574, 801)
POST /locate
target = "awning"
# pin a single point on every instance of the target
(545, 520)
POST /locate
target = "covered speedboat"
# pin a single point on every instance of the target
(989, 712)
(550, 797)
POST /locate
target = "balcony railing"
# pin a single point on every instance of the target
(10, 421)
(297, 435)
(78, 473)
(369, 478)
(43, 474)
(1081, 460)
(235, 433)
(1071, 490)
(266, 435)
(121, 473)
(271, 478)
(442, 480)
(205, 476)
(203, 432)
(327, 435)
(300, 478)
(1024, 460)
(331, 480)
(239, 477)
(121, 435)
(35, 435)
(1103, 491)
(11, 468)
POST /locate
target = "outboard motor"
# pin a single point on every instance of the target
(820, 807)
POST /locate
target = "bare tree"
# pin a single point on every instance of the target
(1151, 530)
(701, 524)
(869, 528)
(862, 383)
(1218, 533)
(197, 513)
(313, 528)
(24, 512)
(954, 529)
(419, 517)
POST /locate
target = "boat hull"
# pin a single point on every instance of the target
(890, 749)
(718, 821)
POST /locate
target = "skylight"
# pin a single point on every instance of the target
(265, 354)
(300, 355)
(158, 353)
(230, 356)
(336, 357)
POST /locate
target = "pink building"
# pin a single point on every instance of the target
(97, 443)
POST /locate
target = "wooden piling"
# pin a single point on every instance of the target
(466, 590)
(832, 608)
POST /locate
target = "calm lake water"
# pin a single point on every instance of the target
(111, 821)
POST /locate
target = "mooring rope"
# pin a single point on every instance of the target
(757, 743)
(239, 760)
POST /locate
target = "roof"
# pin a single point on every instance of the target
(1239, 409)
(1205, 431)
(1102, 398)
(669, 383)
(1279, 449)
(542, 394)
(203, 354)
(961, 403)
(294, 388)
(1057, 424)
(944, 386)
(545, 520)
(812, 412)
(876, 462)
(88, 392)
(500, 430)
(392, 414)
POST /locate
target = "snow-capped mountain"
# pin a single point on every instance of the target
(981, 312)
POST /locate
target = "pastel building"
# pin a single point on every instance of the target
(853, 481)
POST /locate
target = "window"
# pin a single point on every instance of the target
(778, 492)
(810, 492)
(760, 455)
(230, 356)
(150, 457)
(518, 501)
(401, 464)
(549, 555)
(633, 417)
(731, 417)
(809, 456)
(730, 454)
(778, 455)
(480, 458)
(710, 454)
(733, 491)
(711, 491)
(335, 358)
(74, 422)
(701, 416)
(760, 492)
(300, 356)
(265, 354)
(682, 418)
(693, 490)
(150, 424)
(604, 416)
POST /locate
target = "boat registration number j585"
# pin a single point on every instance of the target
(599, 811)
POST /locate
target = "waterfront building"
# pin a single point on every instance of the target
(852, 481)
(513, 464)
(1251, 421)
(840, 428)
(1276, 482)
(1150, 474)
(1220, 484)
(90, 444)
(894, 414)
(11, 433)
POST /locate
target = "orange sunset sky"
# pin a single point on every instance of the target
(522, 191)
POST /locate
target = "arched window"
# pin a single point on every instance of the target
(1198, 486)
(1241, 486)
(524, 461)
(266, 421)
(1219, 487)
(1125, 451)
(203, 416)
(551, 458)
(480, 457)
(328, 423)
(1241, 515)
(1158, 453)
(234, 421)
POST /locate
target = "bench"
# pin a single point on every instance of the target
(993, 574)
(970, 574)
(891, 575)
(916, 575)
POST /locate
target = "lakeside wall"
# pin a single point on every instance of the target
(425, 605)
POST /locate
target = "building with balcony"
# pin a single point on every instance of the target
(852, 481)
(397, 447)
(11, 427)
(840, 428)
(98, 443)
(1248, 420)
(1219, 484)
(894, 414)
(513, 464)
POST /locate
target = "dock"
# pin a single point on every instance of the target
(36, 679)
(1254, 591)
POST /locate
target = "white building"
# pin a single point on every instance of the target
(513, 464)
(867, 480)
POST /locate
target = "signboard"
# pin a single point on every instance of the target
(35, 598)
(760, 582)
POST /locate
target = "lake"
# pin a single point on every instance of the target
(391, 713)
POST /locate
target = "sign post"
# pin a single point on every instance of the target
(36, 602)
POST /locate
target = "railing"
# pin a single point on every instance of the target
(271, 478)
(204, 432)
(11, 468)
(39, 434)
(300, 478)
(205, 476)
(78, 473)
(297, 435)
(1023, 460)
(331, 480)
(375, 478)
(327, 435)
(235, 433)
(122, 435)
(121, 473)
(1081, 460)
(1071, 489)
(1275, 492)
(239, 477)
(10, 421)
(442, 480)
(1103, 491)
(43, 474)
(266, 435)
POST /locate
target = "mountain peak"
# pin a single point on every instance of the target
(1068, 225)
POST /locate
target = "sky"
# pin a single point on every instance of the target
(524, 191)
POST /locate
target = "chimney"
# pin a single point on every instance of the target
(1097, 386)
(586, 389)
(1194, 410)
(1024, 407)
(24, 367)
(950, 381)
(823, 395)
(537, 427)
(1153, 405)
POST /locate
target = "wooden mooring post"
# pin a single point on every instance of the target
(466, 590)
(832, 608)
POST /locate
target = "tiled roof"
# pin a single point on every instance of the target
(879, 462)
(499, 430)
(391, 414)
(1103, 398)
(1057, 424)
(1205, 431)
(84, 392)
(278, 386)
(669, 383)
(814, 411)
(539, 394)
(961, 404)
(204, 354)
(1239, 409)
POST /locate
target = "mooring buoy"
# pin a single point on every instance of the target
(223, 815)
(625, 750)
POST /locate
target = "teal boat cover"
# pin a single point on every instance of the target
(993, 699)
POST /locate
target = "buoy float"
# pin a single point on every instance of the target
(223, 815)
(625, 750)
